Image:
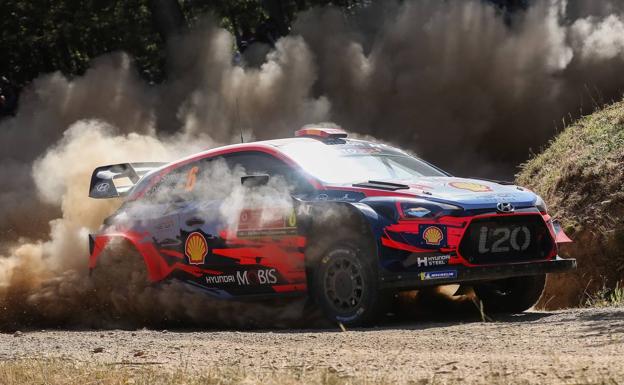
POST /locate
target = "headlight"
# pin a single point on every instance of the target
(419, 209)
(541, 205)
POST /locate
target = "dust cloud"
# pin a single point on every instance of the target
(45, 282)
(455, 82)
(462, 85)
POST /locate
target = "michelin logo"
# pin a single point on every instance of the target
(444, 274)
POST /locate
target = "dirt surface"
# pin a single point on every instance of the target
(585, 345)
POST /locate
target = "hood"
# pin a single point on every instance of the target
(467, 193)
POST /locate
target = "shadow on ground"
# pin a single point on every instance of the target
(412, 310)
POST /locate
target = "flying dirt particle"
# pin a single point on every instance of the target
(435, 77)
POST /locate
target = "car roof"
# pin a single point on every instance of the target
(272, 145)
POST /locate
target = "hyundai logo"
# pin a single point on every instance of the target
(504, 207)
(102, 187)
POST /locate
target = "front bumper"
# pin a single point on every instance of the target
(458, 273)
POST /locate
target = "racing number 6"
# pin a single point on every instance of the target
(191, 178)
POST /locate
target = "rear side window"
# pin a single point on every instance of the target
(175, 185)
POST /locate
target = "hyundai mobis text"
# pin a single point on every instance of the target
(356, 221)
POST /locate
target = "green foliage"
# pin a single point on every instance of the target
(43, 36)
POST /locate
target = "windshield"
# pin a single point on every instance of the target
(357, 161)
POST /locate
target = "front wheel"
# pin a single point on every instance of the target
(510, 295)
(344, 284)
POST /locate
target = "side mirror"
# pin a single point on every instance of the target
(255, 180)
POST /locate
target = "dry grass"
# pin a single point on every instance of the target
(606, 297)
(580, 173)
(58, 372)
(581, 176)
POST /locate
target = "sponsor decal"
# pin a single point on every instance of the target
(255, 223)
(164, 225)
(216, 279)
(443, 274)
(427, 260)
(266, 233)
(352, 151)
(196, 248)
(257, 277)
(499, 198)
(245, 277)
(340, 195)
(420, 186)
(292, 219)
(433, 236)
(304, 209)
(474, 187)
(416, 212)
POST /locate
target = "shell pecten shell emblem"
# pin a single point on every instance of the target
(433, 236)
(196, 248)
(474, 187)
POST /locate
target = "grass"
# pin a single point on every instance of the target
(606, 297)
(580, 175)
(58, 372)
(580, 172)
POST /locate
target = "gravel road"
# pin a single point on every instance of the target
(580, 345)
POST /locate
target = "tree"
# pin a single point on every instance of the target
(39, 36)
(167, 16)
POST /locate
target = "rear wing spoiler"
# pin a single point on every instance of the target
(117, 179)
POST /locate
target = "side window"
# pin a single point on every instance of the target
(215, 178)
(262, 163)
(175, 185)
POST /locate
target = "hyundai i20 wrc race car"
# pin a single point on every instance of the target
(365, 221)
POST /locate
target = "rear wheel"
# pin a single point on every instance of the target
(510, 295)
(122, 290)
(344, 283)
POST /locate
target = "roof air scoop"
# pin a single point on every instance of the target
(321, 133)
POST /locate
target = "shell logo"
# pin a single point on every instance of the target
(196, 248)
(474, 187)
(433, 236)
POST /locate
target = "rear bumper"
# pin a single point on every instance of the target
(458, 274)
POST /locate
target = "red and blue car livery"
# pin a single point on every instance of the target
(366, 220)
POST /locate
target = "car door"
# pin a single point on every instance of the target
(158, 210)
(247, 244)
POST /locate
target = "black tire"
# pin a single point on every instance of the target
(510, 295)
(344, 283)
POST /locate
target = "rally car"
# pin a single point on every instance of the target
(365, 221)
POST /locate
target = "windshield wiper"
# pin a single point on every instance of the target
(379, 184)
